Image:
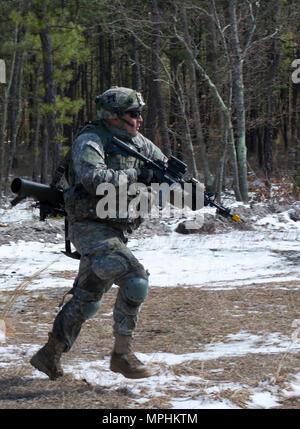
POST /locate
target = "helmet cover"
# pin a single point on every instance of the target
(114, 102)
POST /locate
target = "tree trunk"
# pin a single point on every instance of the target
(136, 69)
(4, 113)
(175, 116)
(220, 176)
(101, 59)
(274, 64)
(161, 112)
(108, 69)
(35, 169)
(45, 152)
(195, 109)
(50, 93)
(238, 86)
(20, 63)
(187, 131)
(150, 127)
(220, 173)
(227, 117)
(260, 152)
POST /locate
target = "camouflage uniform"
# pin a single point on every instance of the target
(105, 259)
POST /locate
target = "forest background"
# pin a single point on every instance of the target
(221, 81)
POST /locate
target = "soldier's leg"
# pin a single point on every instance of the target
(119, 265)
(96, 243)
(90, 239)
(132, 293)
(83, 305)
(105, 262)
(85, 302)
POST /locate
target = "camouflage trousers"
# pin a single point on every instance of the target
(105, 260)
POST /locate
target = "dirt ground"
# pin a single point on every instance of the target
(173, 320)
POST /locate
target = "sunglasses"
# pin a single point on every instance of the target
(134, 113)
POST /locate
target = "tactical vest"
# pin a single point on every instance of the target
(115, 158)
(80, 205)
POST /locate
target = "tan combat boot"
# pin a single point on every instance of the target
(48, 357)
(124, 361)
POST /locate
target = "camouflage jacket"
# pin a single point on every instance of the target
(95, 160)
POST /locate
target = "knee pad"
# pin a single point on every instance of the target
(90, 309)
(135, 290)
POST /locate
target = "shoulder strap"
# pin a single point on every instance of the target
(61, 168)
(93, 127)
(86, 127)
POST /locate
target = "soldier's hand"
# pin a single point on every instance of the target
(145, 175)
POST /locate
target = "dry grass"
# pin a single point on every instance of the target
(173, 320)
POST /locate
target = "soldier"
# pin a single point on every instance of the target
(105, 258)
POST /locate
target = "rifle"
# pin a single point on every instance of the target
(50, 198)
(171, 173)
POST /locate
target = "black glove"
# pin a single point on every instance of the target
(145, 175)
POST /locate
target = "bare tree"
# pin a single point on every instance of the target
(17, 102)
(50, 87)
(5, 109)
(195, 105)
(237, 60)
(222, 104)
(156, 49)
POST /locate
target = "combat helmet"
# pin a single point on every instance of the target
(114, 102)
